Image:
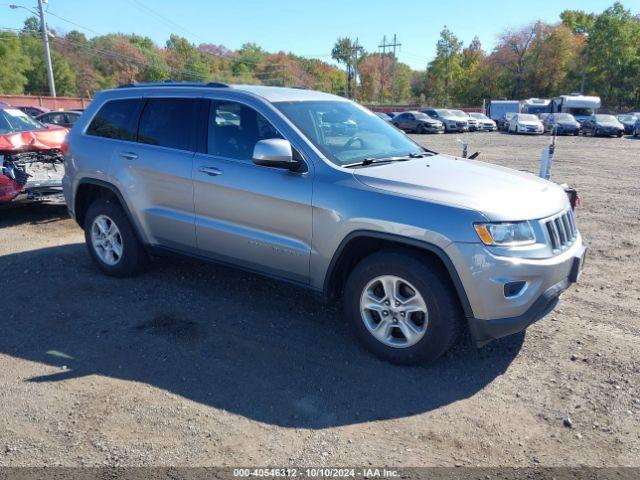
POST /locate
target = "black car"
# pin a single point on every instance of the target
(503, 121)
(62, 118)
(602, 125)
(629, 122)
(417, 122)
(562, 123)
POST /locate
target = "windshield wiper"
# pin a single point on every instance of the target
(372, 161)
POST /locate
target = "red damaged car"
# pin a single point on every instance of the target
(31, 161)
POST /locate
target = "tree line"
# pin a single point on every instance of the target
(594, 53)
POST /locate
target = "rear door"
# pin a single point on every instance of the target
(255, 216)
(155, 171)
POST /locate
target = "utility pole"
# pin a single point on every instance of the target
(47, 52)
(356, 49)
(384, 47)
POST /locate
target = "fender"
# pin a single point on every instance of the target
(113, 189)
(429, 247)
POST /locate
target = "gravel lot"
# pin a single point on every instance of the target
(195, 364)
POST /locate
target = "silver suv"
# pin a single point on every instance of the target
(316, 190)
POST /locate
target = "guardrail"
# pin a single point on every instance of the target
(52, 103)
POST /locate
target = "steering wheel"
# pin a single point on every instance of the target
(352, 140)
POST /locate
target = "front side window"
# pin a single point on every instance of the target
(345, 132)
(170, 123)
(234, 130)
(117, 119)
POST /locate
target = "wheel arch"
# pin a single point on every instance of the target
(359, 244)
(89, 189)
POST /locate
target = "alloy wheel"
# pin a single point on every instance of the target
(106, 240)
(394, 311)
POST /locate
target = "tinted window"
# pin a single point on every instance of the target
(170, 122)
(117, 119)
(234, 130)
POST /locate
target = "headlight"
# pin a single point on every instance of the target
(505, 234)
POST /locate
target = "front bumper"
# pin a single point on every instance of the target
(484, 275)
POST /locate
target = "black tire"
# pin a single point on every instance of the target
(134, 258)
(444, 313)
(420, 129)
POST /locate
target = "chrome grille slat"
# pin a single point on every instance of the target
(562, 230)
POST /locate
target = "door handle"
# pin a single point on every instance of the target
(211, 171)
(129, 155)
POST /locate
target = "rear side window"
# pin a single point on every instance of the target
(171, 123)
(117, 119)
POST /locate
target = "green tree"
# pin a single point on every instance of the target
(185, 60)
(445, 69)
(344, 51)
(614, 56)
(13, 63)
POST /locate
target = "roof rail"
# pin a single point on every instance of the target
(170, 83)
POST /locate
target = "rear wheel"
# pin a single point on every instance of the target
(402, 308)
(111, 240)
(420, 129)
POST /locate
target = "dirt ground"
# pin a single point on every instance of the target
(196, 364)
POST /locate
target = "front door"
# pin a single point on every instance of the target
(255, 216)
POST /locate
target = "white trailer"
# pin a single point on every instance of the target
(580, 106)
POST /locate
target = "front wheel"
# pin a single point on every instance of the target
(402, 308)
(420, 129)
(111, 240)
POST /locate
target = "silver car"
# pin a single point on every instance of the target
(418, 246)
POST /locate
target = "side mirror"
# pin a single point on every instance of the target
(276, 153)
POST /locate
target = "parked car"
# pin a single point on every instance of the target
(417, 122)
(525, 123)
(629, 122)
(602, 125)
(472, 123)
(636, 128)
(503, 121)
(451, 122)
(416, 254)
(63, 118)
(562, 123)
(383, 116)
(31, 110)
(31, 162)
(484, 123)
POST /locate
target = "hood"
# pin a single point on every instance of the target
(532, 123)
(45, 139)
(500, 193)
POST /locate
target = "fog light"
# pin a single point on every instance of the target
(513, 289)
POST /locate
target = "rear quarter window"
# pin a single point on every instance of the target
(117, 119)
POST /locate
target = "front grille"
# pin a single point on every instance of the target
(562, 230)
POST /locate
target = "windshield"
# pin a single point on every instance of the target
(629, 118)
(479, 116)
(537, 109)
(581, 112)
(459, 113)
(347, 133)
(565, 117)
(13, 120)
(421, 116)
(606, 119)
(445, 113)
(527, 117)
